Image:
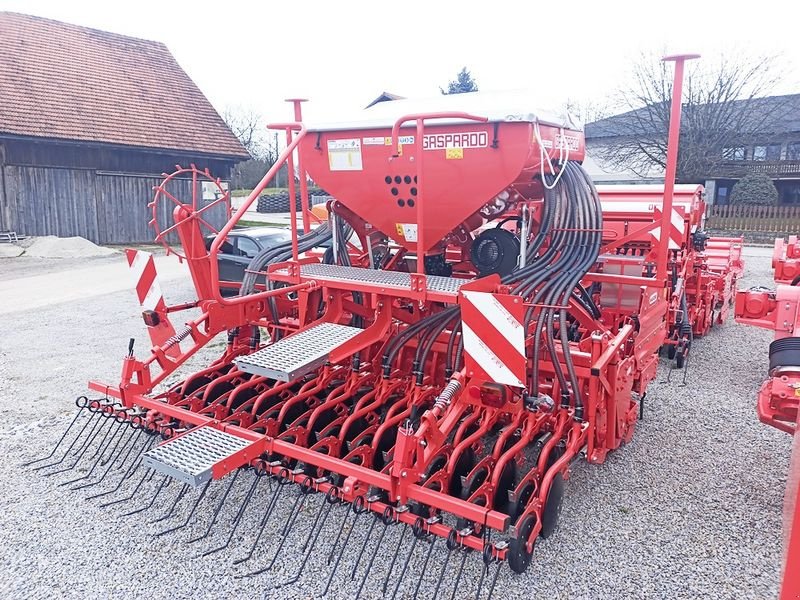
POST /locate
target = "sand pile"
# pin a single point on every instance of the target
(50, 246)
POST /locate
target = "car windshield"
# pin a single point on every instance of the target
(273, 239)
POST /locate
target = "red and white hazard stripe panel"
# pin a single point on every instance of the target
(677, 229)
(148, 291)
(143, 269)
(494, 337)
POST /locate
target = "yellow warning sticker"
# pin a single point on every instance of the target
(399, 229)
(797, 391)
(454, 153)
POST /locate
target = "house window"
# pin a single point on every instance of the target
(768, 152)
(733, 153)
(793, 151)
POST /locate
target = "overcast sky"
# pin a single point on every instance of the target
(343, 54)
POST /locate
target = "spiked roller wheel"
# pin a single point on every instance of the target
(194, 185)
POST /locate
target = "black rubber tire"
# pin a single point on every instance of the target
(552, 506)
(518, 556)
(784, 352)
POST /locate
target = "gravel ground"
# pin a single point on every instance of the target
(690, 509)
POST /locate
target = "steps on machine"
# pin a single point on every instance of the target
(389, 281)
(191, 457)
(298, 354)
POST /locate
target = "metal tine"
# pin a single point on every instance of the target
(460, 572)
(102, 454)
(83, 448)
(332, 497)
(152, 500)
(132, 494)
(375, 518)
(218, 509)
(359, 507)
(129, 444)
(94, 415)
(388, 519)
(394, 557)
(451, 545)
(168, 514)
(60, 440)
(425, 566)
(239, 515)
(191, 512)
(283, 481)
(494, 579)
(418, 529)
(135, 464)
(305, 489)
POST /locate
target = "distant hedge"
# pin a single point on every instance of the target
(755, 189)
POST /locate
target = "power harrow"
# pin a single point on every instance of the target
(429, 362)
(778, 402)
(703, 270)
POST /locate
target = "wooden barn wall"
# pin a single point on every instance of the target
(99, 193)
(106, 208)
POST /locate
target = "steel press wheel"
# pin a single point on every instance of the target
(552, 506)
(518, 556)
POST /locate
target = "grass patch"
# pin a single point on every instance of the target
(246, 223)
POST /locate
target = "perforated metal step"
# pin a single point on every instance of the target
(190, 457)
(392, 279)
(298, 354)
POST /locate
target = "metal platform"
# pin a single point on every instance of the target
(189, 458)
(298, 354)
(389, 279)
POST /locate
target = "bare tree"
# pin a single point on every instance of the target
(247, 125)
(586, 111)
(723, 108)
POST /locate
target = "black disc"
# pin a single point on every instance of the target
(552, 506)
(671, 348)
(518, 556)
(515, 507)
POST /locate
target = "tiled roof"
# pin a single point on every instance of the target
(68, 82)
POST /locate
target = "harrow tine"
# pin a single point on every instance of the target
(265, 517)
(130, 443)
(181, 494)
(135, 464)
(95, 431)
(102, 454)
(358, 509)
(331, 498)
(191, 512)
(58, 443)
(388, 519)
(494, 579)
(299, 503)
(424, 566)
(152, 500)
(458, 576)
(305, 489)
(394, 557)
(218, 509)
(364, 545)
(132, 494)
(418, 530)
(451, 545)
(72, 445)
(238, 518)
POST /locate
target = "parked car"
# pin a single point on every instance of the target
(241, 247)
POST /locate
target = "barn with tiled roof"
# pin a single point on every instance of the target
(88, 122)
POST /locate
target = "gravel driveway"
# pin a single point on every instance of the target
(690, 509)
